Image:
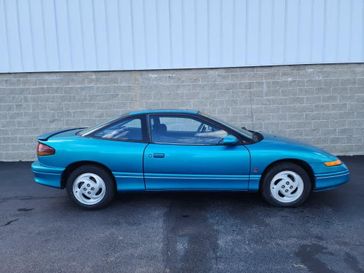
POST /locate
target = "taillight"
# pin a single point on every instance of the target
(43, 149)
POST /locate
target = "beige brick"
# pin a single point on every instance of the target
(318, 104)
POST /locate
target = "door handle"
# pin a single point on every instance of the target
(158, 155)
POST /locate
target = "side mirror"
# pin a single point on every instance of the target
(229, 140)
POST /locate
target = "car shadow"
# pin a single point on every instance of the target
(202, 197)
(331, 198)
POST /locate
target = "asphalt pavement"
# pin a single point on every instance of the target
(42, 231)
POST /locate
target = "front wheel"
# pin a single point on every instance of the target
(286, 185)
(90, 187)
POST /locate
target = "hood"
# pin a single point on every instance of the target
(290, 144)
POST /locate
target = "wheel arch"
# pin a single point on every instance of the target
(73, 166)
(303, 164)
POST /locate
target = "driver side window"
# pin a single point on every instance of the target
(184, 130)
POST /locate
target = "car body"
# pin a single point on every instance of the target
(157, 150)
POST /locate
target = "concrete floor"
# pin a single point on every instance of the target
(42, 231)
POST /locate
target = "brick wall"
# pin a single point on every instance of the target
(318, 104)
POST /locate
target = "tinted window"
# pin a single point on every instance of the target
(128, 130)
(184, 130)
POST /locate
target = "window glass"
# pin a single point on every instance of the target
(185, 130)
(128, 130)
(246, 133)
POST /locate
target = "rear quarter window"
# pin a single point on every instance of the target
(124, 130)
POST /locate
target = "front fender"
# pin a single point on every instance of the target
(273, 149)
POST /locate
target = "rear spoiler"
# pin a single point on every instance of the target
(46, 136)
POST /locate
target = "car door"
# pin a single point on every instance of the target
(120, 146)
(185, 154)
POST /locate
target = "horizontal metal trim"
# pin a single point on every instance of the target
(127, 175)
(43, 169)
(196, 177)
(46, 173)
(328, 176)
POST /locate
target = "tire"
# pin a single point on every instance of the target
(90, 187)
(286, 185)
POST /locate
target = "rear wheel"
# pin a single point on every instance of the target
(286, 185)
(90, 187)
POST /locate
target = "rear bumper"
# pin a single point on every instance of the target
(46, 175)
(331, 180)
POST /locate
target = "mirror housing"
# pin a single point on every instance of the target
(229, 140)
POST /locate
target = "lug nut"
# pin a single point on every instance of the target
(88, 185)
(286, 190)
(92, 188)
(287, 183)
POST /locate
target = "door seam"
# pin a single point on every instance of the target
(143, 161)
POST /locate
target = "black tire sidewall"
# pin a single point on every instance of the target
(307, 184)
(109, 185)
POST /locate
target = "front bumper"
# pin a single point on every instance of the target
(46, 175)
(325, 181)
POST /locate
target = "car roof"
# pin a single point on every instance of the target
(164, 111)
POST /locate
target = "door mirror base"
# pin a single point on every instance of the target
(229, 140)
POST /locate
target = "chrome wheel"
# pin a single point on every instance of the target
(89, 188)
(286, 186)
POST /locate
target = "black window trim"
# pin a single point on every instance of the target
(146, 130)
(199, 118)
(142, 117)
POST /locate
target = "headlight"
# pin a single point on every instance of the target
(333, 163)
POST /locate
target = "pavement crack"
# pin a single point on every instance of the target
(25, 209)
(9, 222)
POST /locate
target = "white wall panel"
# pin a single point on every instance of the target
(82, 35)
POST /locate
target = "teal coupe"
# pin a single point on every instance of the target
(181, 150)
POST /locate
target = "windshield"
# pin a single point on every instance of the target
(246, 133)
